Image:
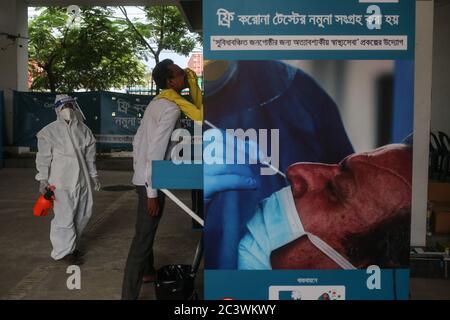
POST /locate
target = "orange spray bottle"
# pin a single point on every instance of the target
(45, 203)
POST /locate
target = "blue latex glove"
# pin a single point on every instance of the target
(227, 177)
(219, 178)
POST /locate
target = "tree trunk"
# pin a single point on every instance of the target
(156, 58)
(51, 78)
(50, 75)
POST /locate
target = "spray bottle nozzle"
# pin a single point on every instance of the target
(49, 194)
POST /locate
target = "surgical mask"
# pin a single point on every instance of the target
(275, 224)
(66, 114)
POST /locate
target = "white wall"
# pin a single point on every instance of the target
(13, 54)
(422, 107)
(440, 99)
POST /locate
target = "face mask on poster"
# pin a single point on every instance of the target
(275, 224)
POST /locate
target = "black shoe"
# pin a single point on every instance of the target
(72, 259)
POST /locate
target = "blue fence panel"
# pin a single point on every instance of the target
(121, 116)
(113, 117)
(31, 112)
(34, 110)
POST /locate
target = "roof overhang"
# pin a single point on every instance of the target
(191, 10)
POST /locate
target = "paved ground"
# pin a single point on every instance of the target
(27, 271)
(430, 289)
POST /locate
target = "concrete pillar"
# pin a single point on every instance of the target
(440, 109)
(13, 54)
(422, 114)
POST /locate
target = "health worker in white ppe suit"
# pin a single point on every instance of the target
(66, 160)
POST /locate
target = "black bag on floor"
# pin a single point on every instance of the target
(175, 282)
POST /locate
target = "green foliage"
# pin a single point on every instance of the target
(97, 54)
(164, 29)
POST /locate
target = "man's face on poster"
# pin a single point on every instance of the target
(360, 207)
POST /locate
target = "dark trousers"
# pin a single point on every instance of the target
(140, 257)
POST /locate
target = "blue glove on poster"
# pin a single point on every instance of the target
(221, 171)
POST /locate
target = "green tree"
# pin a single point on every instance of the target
(97, 54)
(164, 29)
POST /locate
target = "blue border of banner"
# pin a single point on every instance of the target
(254, 284)
(404, 8)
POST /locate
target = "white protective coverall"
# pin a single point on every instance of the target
(66, 158)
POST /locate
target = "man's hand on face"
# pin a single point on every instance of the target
(190, 76)
(153, 207)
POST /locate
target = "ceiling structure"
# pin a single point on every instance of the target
(191, 10)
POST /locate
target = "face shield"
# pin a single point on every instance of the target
(71, 107)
